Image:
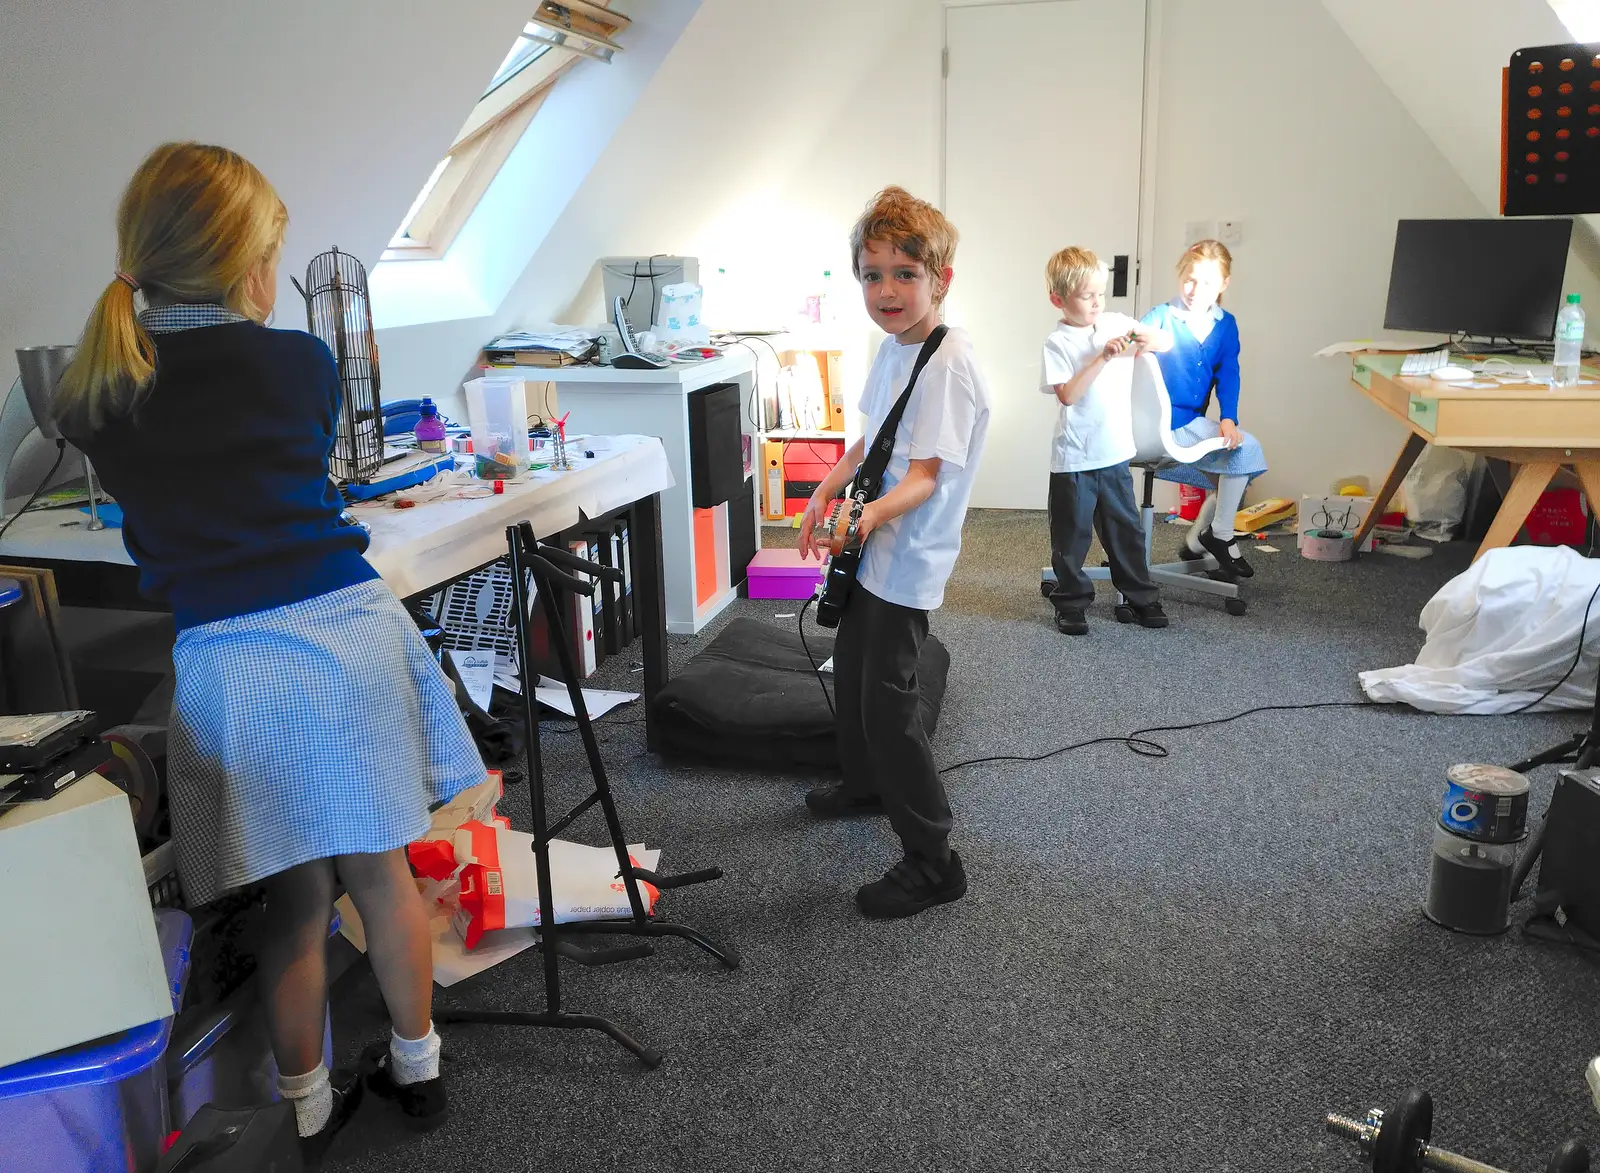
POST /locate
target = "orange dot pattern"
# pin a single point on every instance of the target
(1554, 118)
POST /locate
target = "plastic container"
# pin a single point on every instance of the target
(781, 573)
(430, 429)
(497, 409)
(102, 1106)
(1469, 886)
(1569, 342)
(1190, 500)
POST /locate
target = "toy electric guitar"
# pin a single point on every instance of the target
(839, 579)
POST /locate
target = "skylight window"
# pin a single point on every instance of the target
(557, 37)
(1582, 18)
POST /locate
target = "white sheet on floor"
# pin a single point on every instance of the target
(1501, 633)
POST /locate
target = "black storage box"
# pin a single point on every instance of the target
(716, 453)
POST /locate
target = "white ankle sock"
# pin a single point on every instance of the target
(1230, 495)
(414, 1060)
(1202, 519)
(312, 1097)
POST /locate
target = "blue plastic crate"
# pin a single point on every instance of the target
(100, 1107)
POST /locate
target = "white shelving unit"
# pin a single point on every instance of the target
(609, 401)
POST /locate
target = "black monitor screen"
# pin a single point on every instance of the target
(1490, 278)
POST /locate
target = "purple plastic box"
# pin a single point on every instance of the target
(781, 574)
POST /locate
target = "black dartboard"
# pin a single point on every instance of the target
(1552, 164)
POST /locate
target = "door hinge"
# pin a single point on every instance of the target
(944, 62)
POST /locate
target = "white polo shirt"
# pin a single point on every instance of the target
(907, 560)
(1096, 431)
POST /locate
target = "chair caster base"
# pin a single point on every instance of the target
(1233, 606)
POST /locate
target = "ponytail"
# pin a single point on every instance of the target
(114, 366)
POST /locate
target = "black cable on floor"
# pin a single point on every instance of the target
(61, 451)
(1571, 668)
(1139, 743)
(816, 669)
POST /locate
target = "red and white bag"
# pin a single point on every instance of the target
(499, 882)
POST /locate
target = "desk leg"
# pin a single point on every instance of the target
(650, 604)
(1408, 456)
(1589, 477)
(1530, 481)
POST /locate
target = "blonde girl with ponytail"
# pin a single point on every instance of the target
(311, 729)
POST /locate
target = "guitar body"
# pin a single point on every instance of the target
(839, 579)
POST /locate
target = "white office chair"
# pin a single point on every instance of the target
(1156, 449)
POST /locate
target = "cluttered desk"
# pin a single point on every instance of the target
(1531, 406)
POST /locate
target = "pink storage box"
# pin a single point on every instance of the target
(781, 574)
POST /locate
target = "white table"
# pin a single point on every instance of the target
(608, 399)
(416, 551)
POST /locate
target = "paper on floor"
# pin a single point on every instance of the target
(599, 701)
(476, 670)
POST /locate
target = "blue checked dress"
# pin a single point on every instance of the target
(320, 728)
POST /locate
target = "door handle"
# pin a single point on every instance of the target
(1119, 275)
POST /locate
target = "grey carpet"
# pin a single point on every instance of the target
(1162, 964)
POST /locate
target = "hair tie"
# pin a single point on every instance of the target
(128, 280)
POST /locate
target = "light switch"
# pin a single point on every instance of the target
(1199, 230)
(1231, 232)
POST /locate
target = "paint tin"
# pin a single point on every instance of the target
(1487, 804)
(1327, 545)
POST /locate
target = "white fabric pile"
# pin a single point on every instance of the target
(1501, 633)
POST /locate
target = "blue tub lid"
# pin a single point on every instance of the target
(10, 591)
(115, 1057)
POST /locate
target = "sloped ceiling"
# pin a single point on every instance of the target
(345, 106)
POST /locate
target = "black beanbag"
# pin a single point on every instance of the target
(751, 698)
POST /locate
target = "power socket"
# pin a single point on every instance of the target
(1230, 232)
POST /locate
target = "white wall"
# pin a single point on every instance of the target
(345, 106)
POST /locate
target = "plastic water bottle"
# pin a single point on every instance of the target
(1569, 342)
(430, 428)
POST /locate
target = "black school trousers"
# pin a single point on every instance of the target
(883, 748)
(1082, 504)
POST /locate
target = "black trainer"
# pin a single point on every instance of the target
(1150, 615)
(1072, 621)
(833, 801)
(346, 1099)
(423, 1103)
(1229, 560)
(912, 886)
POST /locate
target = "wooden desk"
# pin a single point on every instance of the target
(418, 551)
(1535, 428)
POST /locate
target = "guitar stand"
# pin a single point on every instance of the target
(528, 559)
(1582, 749)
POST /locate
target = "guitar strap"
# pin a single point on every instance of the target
(869, 477)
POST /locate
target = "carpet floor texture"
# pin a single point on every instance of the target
(1162, 963)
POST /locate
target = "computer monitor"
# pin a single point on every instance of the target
(1487, 278)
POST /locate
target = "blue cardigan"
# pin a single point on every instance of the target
(1192, 369)
(222, 474)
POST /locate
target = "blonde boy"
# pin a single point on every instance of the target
(1087, 365)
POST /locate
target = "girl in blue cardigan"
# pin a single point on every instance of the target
(1204, 359)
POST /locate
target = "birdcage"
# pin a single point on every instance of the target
(339, 312)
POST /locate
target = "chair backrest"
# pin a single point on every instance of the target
(1152, 419)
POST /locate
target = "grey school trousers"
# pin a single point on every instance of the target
(1099, 501)
(883, 748)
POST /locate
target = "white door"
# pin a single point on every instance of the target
(1044, 118)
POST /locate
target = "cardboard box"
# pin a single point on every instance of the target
(82, 958)
(1345, 514)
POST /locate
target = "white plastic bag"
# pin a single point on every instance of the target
(678, 316)
(1436, 492)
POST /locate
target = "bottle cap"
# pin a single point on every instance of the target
(428, 409)
(1573, 298)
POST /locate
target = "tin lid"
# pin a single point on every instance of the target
(1487, 779)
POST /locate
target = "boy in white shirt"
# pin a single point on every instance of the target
(1088, 367)
(902, 249)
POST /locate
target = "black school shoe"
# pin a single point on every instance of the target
(912, 886)
(423, 1103)
(1226, 559)
(833, 801)
(346, 1099)
(1149, 615)
(1072, 621)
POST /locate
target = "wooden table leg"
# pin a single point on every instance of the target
(1530, 481)
(1408, 456)
(1589, 477)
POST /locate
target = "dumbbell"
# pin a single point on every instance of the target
(1396, 1141)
